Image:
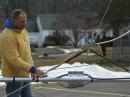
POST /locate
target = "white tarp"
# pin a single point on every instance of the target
(94, 70)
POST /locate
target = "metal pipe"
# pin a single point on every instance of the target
(64, 79)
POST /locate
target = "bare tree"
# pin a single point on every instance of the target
(118, 14)
(74, 25)
(75, 20)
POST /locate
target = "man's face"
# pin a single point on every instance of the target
(20, 22)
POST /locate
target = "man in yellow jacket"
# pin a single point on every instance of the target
(16, 54)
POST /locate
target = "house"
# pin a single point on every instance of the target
(45, 24)
(49, 23)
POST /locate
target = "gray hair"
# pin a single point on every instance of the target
(15, 14)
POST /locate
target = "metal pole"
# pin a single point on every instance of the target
(64, 79)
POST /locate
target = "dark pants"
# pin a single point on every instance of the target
(24, 92)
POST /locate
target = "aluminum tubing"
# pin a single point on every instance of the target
(64, 79)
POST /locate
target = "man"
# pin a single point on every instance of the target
(16, 55)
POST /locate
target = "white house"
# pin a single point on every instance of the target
(48, 23)
(45, 24)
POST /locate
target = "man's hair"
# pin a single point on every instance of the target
(15, 14)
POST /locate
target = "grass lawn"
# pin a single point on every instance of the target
(82, 59)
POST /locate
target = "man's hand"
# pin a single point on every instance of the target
(39, 73)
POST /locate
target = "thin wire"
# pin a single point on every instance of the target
(16, 90)
(105, 13)
(94, 38)
(102, 21)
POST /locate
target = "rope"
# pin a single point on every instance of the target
(113, 39)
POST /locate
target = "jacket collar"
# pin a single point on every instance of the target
(9, 24)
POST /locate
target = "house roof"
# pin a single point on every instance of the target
(58, 21)
(48, 20)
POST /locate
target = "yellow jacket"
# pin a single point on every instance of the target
(15, 53)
